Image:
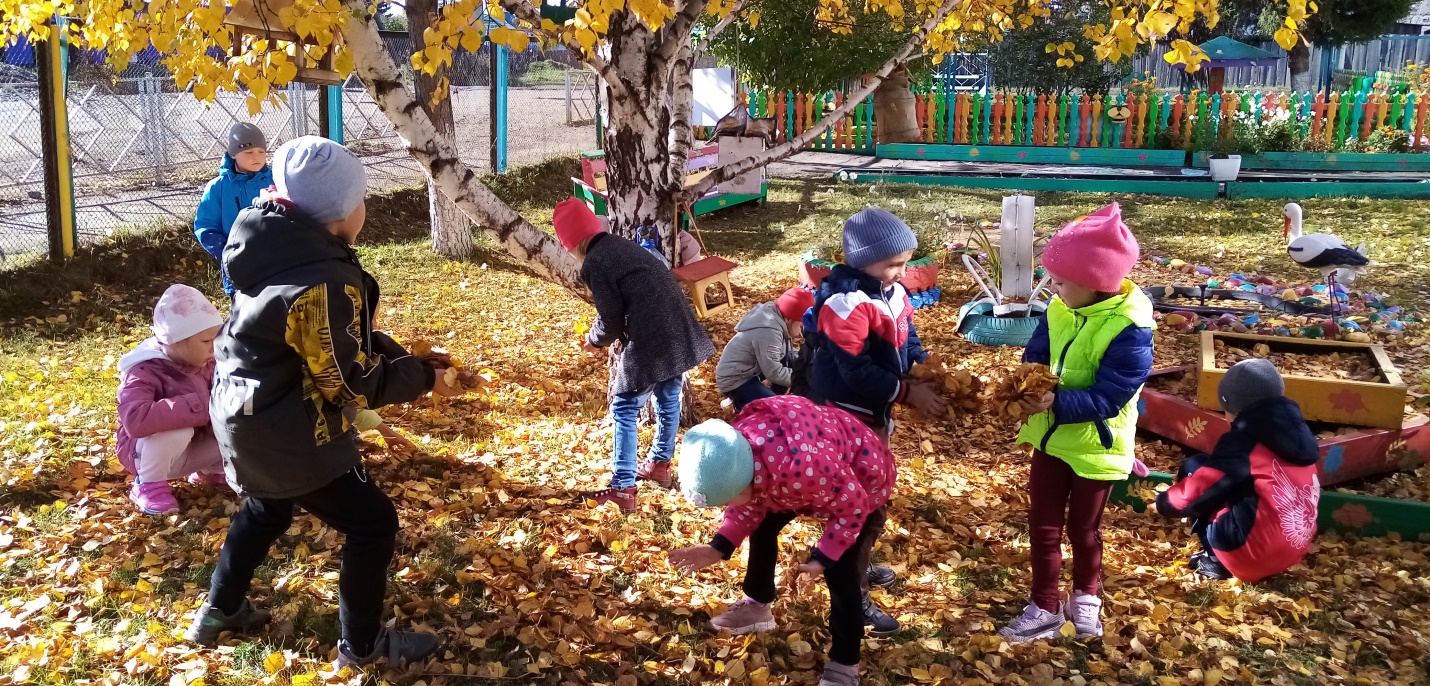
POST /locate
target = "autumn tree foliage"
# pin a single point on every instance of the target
(643, 50)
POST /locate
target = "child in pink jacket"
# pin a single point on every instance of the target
(784, 457)
(164, 384)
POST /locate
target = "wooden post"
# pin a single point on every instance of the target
(52, 59)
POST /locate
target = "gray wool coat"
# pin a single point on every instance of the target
(639, 303)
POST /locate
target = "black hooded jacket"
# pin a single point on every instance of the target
(297, 350)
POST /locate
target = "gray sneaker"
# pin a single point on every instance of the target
(836, 674)
(391, 645)
(212, 622)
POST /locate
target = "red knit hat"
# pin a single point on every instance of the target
(1097, 251)
(794, 302)
(575, 222)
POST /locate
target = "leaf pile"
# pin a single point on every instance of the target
(1354, 366)
(960, 388)
(1028, 381)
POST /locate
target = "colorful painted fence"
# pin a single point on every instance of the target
(1117, 120)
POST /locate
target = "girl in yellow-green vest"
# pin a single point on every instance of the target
(1097, 338)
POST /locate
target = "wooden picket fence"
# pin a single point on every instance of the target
(1084, 121)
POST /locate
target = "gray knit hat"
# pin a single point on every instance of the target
(1249, 382)
(324, 179)
(874, 235)
(243, 136)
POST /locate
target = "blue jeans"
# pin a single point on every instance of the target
(626, 410)
(752, 390)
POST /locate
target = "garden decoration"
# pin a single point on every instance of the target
(1007, 311)
(1323, 252)
(261, 20)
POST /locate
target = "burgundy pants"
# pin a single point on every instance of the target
(1062, 499)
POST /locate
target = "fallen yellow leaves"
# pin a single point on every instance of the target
(1029, 381)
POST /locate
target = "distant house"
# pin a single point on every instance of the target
(1416, 23)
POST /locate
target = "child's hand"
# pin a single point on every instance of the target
(464, 382)
(396, 442)
(927, 401)
(695, 558)
(586, 345)
(811, 567)
(1032, 406)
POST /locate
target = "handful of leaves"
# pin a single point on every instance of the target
(453, 375)
(1028, 382)
(958, 386)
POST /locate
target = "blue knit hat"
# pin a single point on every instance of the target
(716, 463)
(873, 235)
(324, 179)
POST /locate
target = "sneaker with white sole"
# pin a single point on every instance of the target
(392, 646)
(1085, 612)
(745, 617)
(1035, 623)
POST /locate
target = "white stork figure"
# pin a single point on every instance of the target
(1323, 252)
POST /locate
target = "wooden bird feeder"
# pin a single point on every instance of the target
(700, 276)
(259, 18)
(1322, 399)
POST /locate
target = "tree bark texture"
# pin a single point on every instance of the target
(451, 230)
(894, 112)
(1299, 62)
(437, 153)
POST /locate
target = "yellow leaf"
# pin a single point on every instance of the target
(582, 328)
(1211, 677)
(926, 446)
(255, 106)
(1161, 23)
(259, 88)
(754, 19)
(586, 38)
(150, 559)
(343, 60)
(1068, 630)
(471, 39)
(519, 41)
(1160, 613)
(1050, 47)
(303, 680)
(274, 663)
(144, 586)
(1284, 37)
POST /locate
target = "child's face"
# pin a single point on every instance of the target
(891, 270)
(251, 160)
(795, 330)
(1073, 295)
(196, 350)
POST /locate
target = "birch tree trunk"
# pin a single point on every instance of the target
(451, 230)
(437, 153)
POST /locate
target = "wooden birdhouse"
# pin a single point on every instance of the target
(260, 19)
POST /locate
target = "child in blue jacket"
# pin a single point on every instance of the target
(242, 176)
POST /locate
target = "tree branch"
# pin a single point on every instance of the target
(793, 145)
(677, 30)
(682, 104)
(437, 153)
(525, 11)
(715, 31)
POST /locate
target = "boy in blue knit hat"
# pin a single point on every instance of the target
(864, 339)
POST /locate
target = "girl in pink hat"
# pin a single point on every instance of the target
(164, 383)
(1097, 337)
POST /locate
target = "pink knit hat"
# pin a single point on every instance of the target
(1097, 251)
(182, 312)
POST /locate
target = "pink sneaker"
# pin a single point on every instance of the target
(202, 479)
(745, 617)
(155, 498)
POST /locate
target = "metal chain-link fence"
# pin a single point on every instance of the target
(142, 150)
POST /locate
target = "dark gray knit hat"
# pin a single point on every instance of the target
(873, 235)
(243, 136)
(1249, 382)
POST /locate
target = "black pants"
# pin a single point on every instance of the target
(353, 505)
(848, 580)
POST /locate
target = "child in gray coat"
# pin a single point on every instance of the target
(763, 349)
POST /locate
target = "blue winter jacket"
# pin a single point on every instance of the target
(1123, 371)
(224, 196)
(864, 343)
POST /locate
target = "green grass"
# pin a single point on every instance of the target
(542, 73)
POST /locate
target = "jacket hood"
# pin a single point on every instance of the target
(846, 279)
(270, 238)
(1277, 424)
(763, 316)
(149, 349)
(1130, 302)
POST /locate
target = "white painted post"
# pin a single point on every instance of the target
(1015, 249)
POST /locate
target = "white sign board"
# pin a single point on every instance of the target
(734, 149)
(714, 91)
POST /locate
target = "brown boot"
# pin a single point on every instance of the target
(659, 472)
(624, 498)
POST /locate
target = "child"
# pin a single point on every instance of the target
(763, 349)
(1097, 337)
(164, 431)
(1253, 500)
(297, 353)
(639, 304)
(243, 174)
(786, 457)
(865, 340)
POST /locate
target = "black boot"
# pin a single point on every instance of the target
(879, 624)
(883, 577)
(1207, 565)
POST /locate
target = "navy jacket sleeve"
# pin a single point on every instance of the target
(1124, 368)
(208, 221)
(916, 350)
(1213, 481)
(1038, 351)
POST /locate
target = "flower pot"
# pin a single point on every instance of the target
(980, 326)
(1225, 168)
(921, 275)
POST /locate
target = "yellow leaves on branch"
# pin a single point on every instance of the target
(1067, 53)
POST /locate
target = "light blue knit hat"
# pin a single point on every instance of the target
(716, 463)
(324, 179)
(873, 235)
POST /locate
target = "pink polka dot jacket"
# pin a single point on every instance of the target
(812, 460)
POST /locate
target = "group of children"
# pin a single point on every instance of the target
(265, 403)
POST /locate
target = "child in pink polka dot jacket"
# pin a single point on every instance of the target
(784, 457)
